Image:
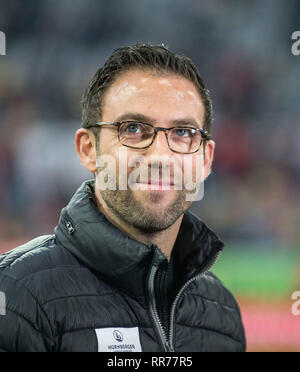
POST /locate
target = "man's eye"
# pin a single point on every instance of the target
(183, 132)
(180, 132)
(133, 128)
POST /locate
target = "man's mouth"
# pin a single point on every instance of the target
(157, 185)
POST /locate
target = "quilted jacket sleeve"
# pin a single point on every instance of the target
(24, 326)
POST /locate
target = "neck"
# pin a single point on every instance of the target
(165, 239)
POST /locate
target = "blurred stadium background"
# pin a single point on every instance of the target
(252, 198)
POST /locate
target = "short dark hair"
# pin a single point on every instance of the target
(145, 57)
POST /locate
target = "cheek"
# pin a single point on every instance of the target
(108, 141)
(127, 163)
(108, 154)
(193, 168)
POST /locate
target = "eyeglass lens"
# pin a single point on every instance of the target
(140, 135)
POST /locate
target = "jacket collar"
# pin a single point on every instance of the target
(120, 260)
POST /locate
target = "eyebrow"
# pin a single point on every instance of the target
(146, 119)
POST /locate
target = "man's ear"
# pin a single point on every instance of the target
(85, 144)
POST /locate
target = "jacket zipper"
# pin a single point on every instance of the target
(167, 342)
(153, 309)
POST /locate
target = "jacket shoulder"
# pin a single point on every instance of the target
(42, 270)
(36, 255)
(222, 313)
(19, 275)
(46, 271)
(217, 290)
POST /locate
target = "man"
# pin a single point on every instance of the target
(127, 268)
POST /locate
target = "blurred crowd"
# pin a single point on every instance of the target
(243, 53)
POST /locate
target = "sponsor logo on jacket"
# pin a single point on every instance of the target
(118, 339)
(2, 303)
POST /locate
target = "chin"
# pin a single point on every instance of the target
(153, 197)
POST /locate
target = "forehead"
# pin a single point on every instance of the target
(152, 93)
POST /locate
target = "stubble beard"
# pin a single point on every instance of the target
(126, 207)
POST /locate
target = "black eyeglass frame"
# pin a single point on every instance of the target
(204, 134)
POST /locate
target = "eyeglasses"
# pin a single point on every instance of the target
(136, 135)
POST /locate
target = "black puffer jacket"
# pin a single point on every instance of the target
(89, 287)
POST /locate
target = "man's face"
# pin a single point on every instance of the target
(161, 100)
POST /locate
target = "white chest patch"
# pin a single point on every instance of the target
(118, 339)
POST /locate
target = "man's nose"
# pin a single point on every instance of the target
(159, 145)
